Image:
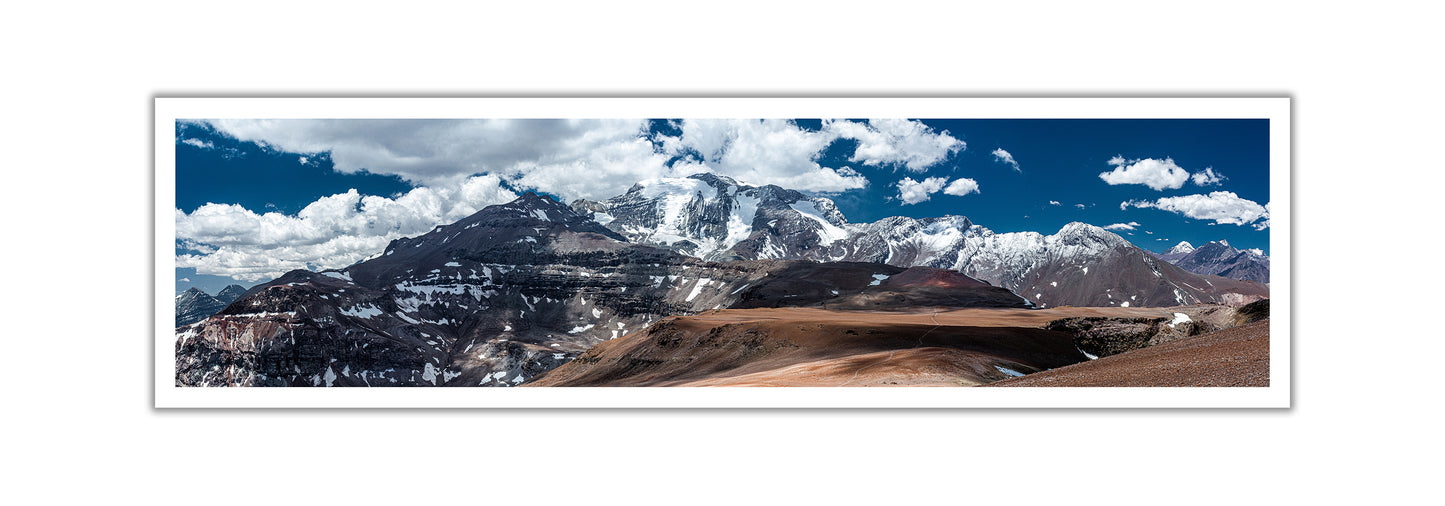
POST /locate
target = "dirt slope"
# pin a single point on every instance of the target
(819, 347)
(1234, 357)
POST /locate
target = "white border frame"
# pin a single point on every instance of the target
(1275, 109)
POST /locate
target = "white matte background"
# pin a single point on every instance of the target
(77, 152)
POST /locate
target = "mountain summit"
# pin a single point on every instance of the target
(1182, 247)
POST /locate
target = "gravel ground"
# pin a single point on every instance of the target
(1235, 357)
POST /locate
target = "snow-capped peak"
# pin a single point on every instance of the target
(1224, 242)
(1079, 229)
(1182, 247)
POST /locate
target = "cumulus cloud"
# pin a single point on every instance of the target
(1123, 226)
(962, 186)
(589, 158)
(1156, 174)
(1006, 158)
(332, 232)
(1208, 177)
(895, 142)
(913, 192)
(1221, 207)
(582, 154)
(766, 151)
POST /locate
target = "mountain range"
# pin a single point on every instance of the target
(1218, 258)
(518, 289)
(194, 304)
(506, 294)
(716, 217)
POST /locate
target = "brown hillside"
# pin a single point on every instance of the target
(817, 347)
(1234, 357)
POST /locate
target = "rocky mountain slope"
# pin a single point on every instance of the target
(716, 217)
(506, 294)
(1220, 259)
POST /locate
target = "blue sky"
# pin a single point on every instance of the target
(256, 198)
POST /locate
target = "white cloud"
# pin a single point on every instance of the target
(759, 152)
(1208, 177)
(1004, 156)
(589, 157)
(1155, 174)
(962, 186)
(1265, 223)
(1080, 206)
(592, 158)
(913, 192)
(1123, 226)
(895, 142)
(1054, 203)
(1221, 207)
(184, 280)
(332, 232)
(199, 143)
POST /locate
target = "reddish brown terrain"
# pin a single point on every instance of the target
(815, 347)
(1233, 357)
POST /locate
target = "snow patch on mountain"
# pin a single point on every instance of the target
(828, 232)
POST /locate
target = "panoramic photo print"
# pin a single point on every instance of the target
(550, 253)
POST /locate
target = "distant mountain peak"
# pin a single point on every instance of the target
(1182, 247)
(230, 293)
(195, 305)
(1220, 259)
